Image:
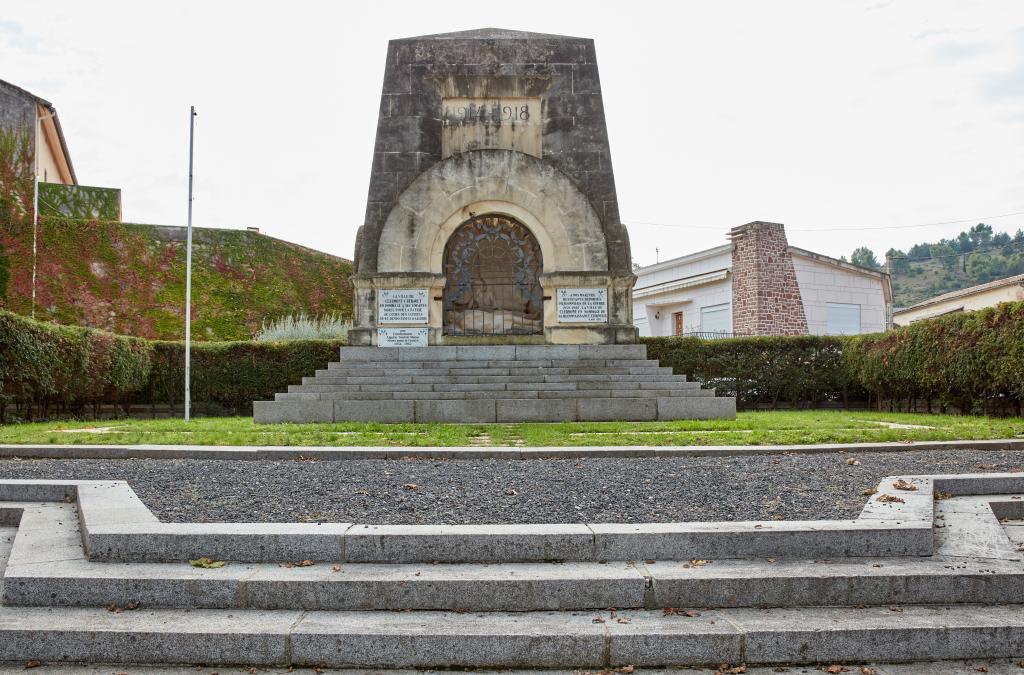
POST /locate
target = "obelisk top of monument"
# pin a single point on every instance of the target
(491, 34)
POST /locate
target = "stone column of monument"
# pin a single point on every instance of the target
(492, 214)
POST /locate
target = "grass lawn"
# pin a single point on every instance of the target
(753, 428)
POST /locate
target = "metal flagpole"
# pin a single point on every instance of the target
(188, 270)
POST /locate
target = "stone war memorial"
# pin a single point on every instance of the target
(493, 275)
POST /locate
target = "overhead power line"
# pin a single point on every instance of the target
(843, 229)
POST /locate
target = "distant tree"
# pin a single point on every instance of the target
(981, 235)
(980, 268)
(864, 257)
(963, 243)
(897, 261)
(1014, 264)
(5, 273)
(945, 254)
(919, 251)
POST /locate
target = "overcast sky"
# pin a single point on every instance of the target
(823, 115)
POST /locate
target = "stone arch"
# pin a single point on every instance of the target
(494, 181)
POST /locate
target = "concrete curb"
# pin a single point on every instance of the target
(295, 452)
(117, 527)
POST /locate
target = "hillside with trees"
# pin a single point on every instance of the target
(975, 256)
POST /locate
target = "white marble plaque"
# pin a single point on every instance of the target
(402, 306)
(401, 337)
(583, 305)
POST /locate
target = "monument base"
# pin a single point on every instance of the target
(494, 384)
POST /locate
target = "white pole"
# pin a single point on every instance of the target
(35, 208)
(188, 270)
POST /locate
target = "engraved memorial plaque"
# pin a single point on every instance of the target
(401, 337)
(583, 305)
(402, 306)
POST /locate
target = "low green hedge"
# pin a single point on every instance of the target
(47, 369)
(764, 372)
(970, 362)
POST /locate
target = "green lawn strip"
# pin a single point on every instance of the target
(753, 428)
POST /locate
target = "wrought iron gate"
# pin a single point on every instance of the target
(493, 265)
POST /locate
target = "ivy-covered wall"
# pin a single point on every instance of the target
(79, 201)
(16, 162)
(130, 278)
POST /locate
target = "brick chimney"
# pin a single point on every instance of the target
(765, 295)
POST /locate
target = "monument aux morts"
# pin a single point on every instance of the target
(492, 276)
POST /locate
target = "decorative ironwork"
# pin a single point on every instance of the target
(493, 264)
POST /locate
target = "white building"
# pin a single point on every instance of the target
(782, 290)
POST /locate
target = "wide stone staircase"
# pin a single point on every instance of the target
(91, 576)
(500, 383)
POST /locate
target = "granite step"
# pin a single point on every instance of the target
(495, 386)
(368, 366)
(481, 378)
(481, 409)
(594, 640)
(328, 375)
(499, 393)
(483, 587)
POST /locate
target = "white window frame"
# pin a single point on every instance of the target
(726, 308)
(836, 324)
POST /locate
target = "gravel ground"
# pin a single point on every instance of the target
(518, 491)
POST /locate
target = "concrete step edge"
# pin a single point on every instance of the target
(505, 640)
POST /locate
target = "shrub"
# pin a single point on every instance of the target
(973, 362)
(302, 327)
(48, 369)
(801, 371)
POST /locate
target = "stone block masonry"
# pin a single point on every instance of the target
(766, 296)
(491, 384)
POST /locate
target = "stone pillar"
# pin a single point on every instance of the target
(765, 295)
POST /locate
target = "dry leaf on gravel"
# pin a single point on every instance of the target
(870, 491)
(206, 563)
(510, 492)
(410, 486)
(853, 462)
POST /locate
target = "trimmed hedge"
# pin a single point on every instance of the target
(970, 362)
(48, 369)
(764, 372)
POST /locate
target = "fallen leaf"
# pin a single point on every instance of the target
(853, 462)
(510, 492)
(33, 664)
(337, 568)
(940, 495)
(206, 563)
(904, 485)
(623, 619)
(981, 669)
(891, 499)
(626, 669)
(597, 619)
(836, 668)
(699, 563)
(870, 491)
(864, 670)
(410, 486)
